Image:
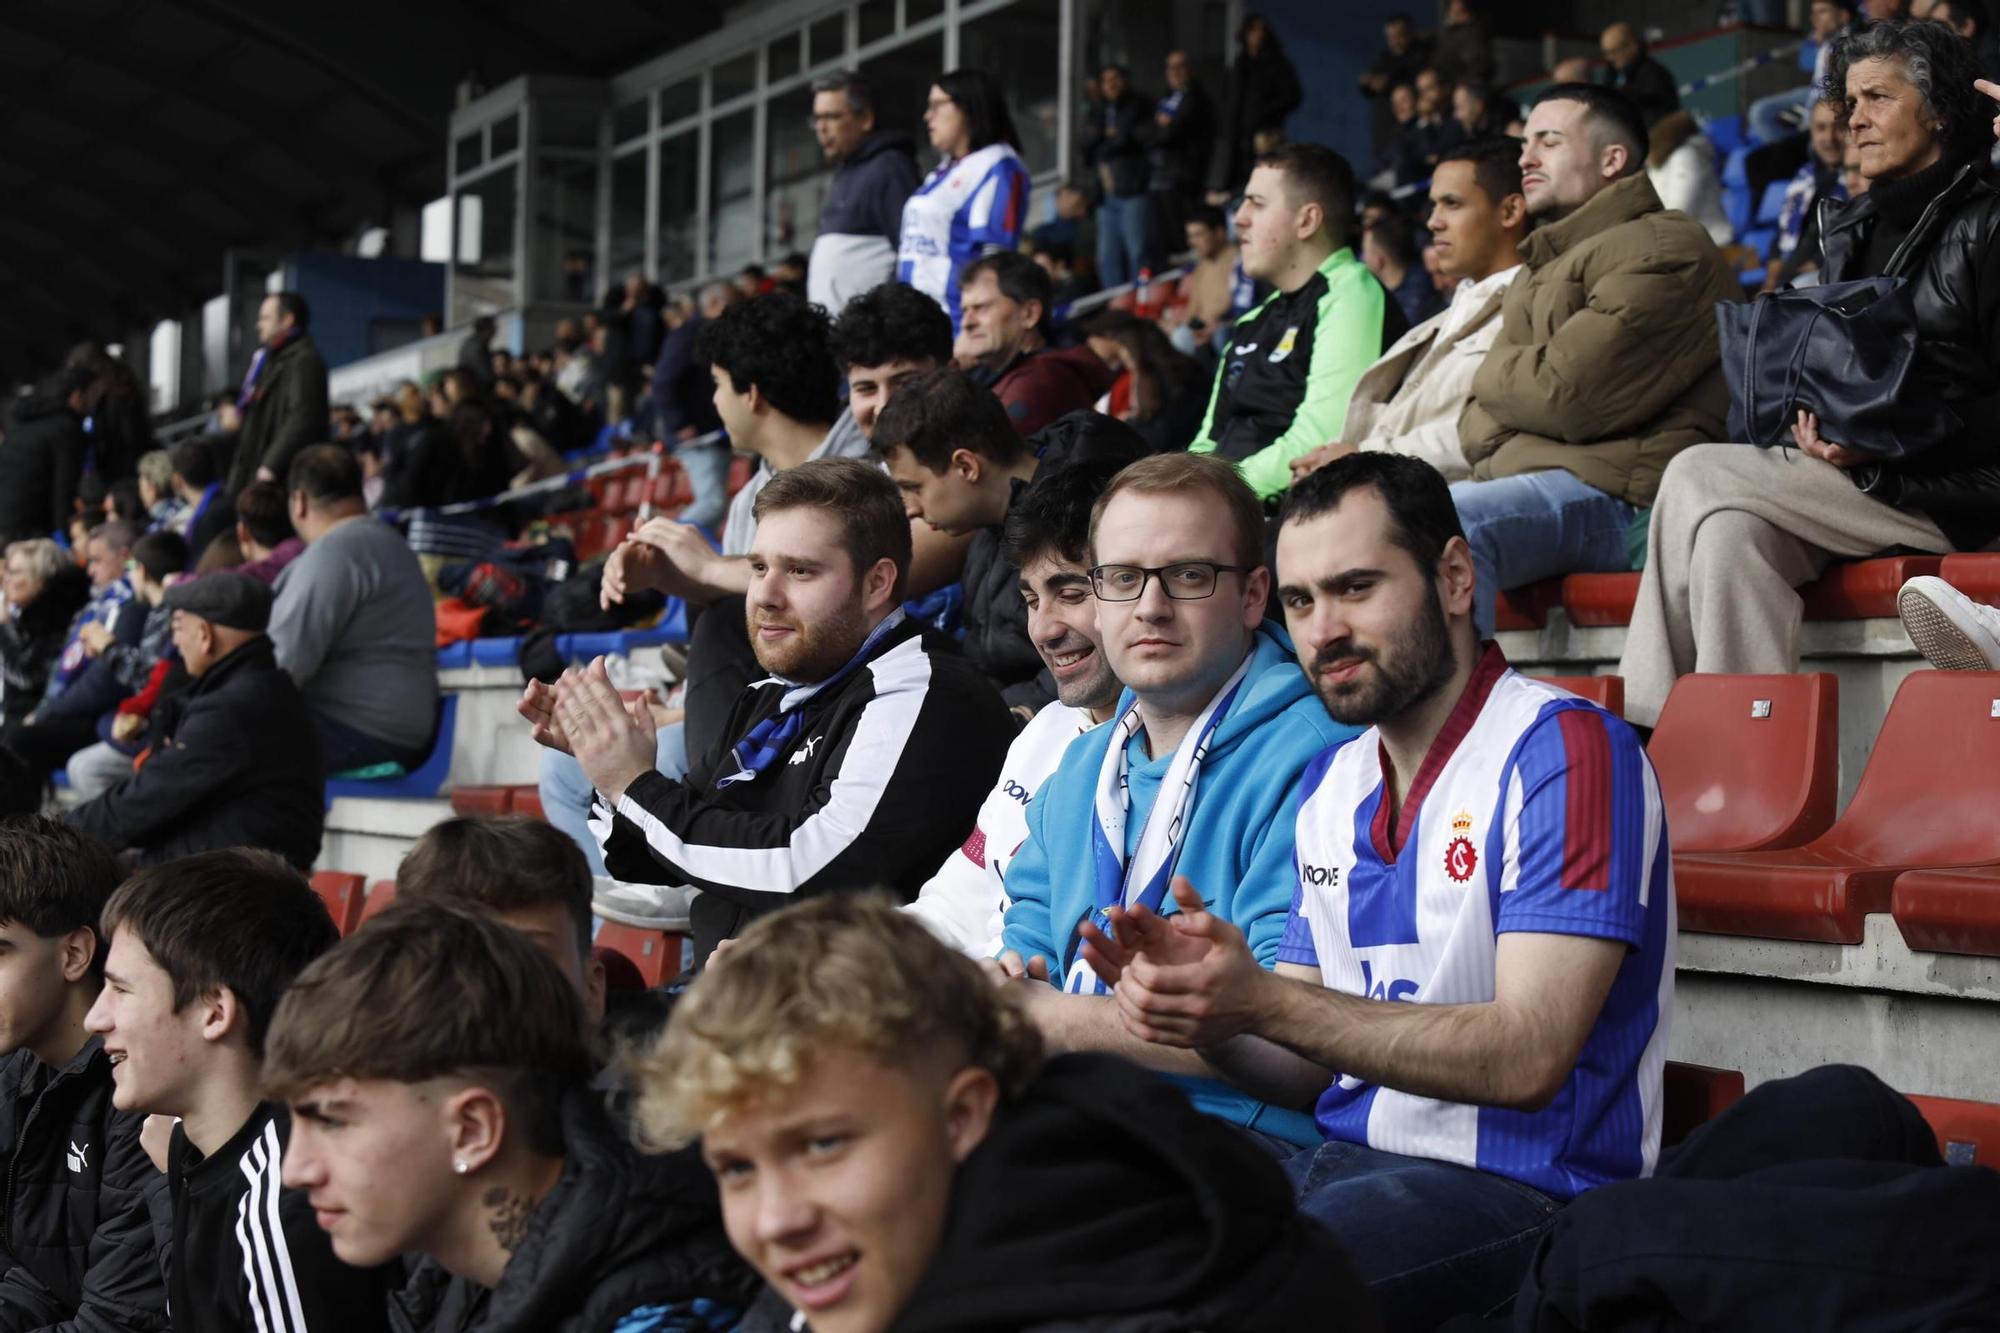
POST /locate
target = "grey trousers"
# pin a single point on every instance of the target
(1734, 533)
(96, 769)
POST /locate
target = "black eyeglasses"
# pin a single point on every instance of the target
(1188, 581)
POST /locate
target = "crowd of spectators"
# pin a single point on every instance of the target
(1089, 732)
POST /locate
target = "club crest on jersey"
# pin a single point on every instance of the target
(1460, 857)
(1285, 345)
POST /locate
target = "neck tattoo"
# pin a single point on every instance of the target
(509, 1221)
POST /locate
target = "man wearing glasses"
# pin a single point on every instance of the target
(1192, 778)
(875, 172)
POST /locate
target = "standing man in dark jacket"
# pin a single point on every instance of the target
(76, 1235)
(684, 409)
(240, 765)
(283, 399)
(41, 458)
(1183, 141)
(1113, 139)
(1264, 91)
(475, 353)
(1635, 73)
(875, 172)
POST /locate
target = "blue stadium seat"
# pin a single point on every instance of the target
(455, 655)
(497, 652)
(1772, 203)
(422, 782)
(1758, 238)
(1727, 133)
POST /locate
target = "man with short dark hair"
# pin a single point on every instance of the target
(860, 762)
(875, 172)
(201, 950)
(1606, 365)
(206, 511)
(1390, 253)
(475, 352)
(283, 398)
(354, 623)
(80, 1252)
(884, 338)
(1432, 130)
(1006, 302)
(1283, 384)
(1183, 140)
(264, 532)
(1631, 70)
(684, 410)
(1113, 139)
(237, 764)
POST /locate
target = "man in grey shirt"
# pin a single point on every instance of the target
(354, 624)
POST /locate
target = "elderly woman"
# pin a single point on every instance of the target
(1737, 530)
(39, 593)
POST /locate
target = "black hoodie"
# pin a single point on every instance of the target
(869, 189)
(40, 464)
(1102, 1202)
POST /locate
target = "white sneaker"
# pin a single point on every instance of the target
(643, 906)
(1950, 629)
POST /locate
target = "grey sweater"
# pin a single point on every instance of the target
(354, 626)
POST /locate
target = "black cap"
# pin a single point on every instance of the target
(228, 599)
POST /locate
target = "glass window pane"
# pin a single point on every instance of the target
(483, 256)
(565, 231)
(902, 79)
(733, 78)
(470, 153)
(796, 174)
(507, 134)
(630, 121)
(1017, 43)
(680, 99)
(917, 11)
(628, 212)
(732, 217)
(781, 58)
(680, 176)
(877, 20)
(826, 40)
(566, 125)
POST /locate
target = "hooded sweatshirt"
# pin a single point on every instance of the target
(1237, 848)
(861, 221)
(1100, 1201)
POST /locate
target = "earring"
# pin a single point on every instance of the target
(461, 1166)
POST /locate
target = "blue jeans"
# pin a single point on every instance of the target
(1432, 1240)
(567, 793)
(708, 474)
(1536, 526)
(1124, 238)
(1766, 112)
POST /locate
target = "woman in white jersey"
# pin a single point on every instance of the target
(976, 200)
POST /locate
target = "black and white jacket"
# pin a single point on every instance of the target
(880, 785)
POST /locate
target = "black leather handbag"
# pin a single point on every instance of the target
(1845, 351)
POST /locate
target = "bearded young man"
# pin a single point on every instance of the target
(859, 762)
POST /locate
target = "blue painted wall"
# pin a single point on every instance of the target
(1331, 44)
(363, 306)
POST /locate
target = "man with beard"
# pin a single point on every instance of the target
(1477, 973)
(859, 763)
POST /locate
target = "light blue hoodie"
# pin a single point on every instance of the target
(1237, 849)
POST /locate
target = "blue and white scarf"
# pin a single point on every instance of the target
(1144, 879)
(770, 738)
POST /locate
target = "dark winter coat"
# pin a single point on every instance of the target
(1650, 85)
(870, 187)
(1102, 1202)
(1113, 140)
(287, 413)
(40, 462)
(1043, 385)
(76, 1231)
(31, 642)
(1264, 89)
(239, 767)
(1183, 146)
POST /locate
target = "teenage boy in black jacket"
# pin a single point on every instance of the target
(201, 949)
(76, 1238)
(861, 762)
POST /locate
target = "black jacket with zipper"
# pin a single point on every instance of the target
(76, 1232)
(1953, 269)
(41, 462)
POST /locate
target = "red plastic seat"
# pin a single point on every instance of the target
(1607, 692)
(1596, 600)
(1926, 799)
(1528, 606)
(1748, 763)
(1968, 1133)
(1949, 911)
(527, 801)
(655, 953)
(740, 468)
(1861, 589)
(1977, 576)
(380, 895)
(621, 974)
(480, 800)
(343, 894)
(1693, 1095)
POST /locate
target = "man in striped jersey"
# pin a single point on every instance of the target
(1476, 977)
(201, 949)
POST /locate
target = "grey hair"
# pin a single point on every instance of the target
(43, 557)
(1939, 64)
(860, 97)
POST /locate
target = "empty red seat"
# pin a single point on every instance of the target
(1976, 575)
(1926, 799)
(1596, 600)
(1949, 911)
(1528, 606)
(343, 894)
(740, 468)
(655, 953)
(1968, 1133)
(1607, 692)
(1861, 589)
(380, 895)
(1693, 1095)
(1748, 763)
(621, 974)
(527, 801)
(480, 800)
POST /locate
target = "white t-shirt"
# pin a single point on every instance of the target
(739, 526)
(964, 902)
